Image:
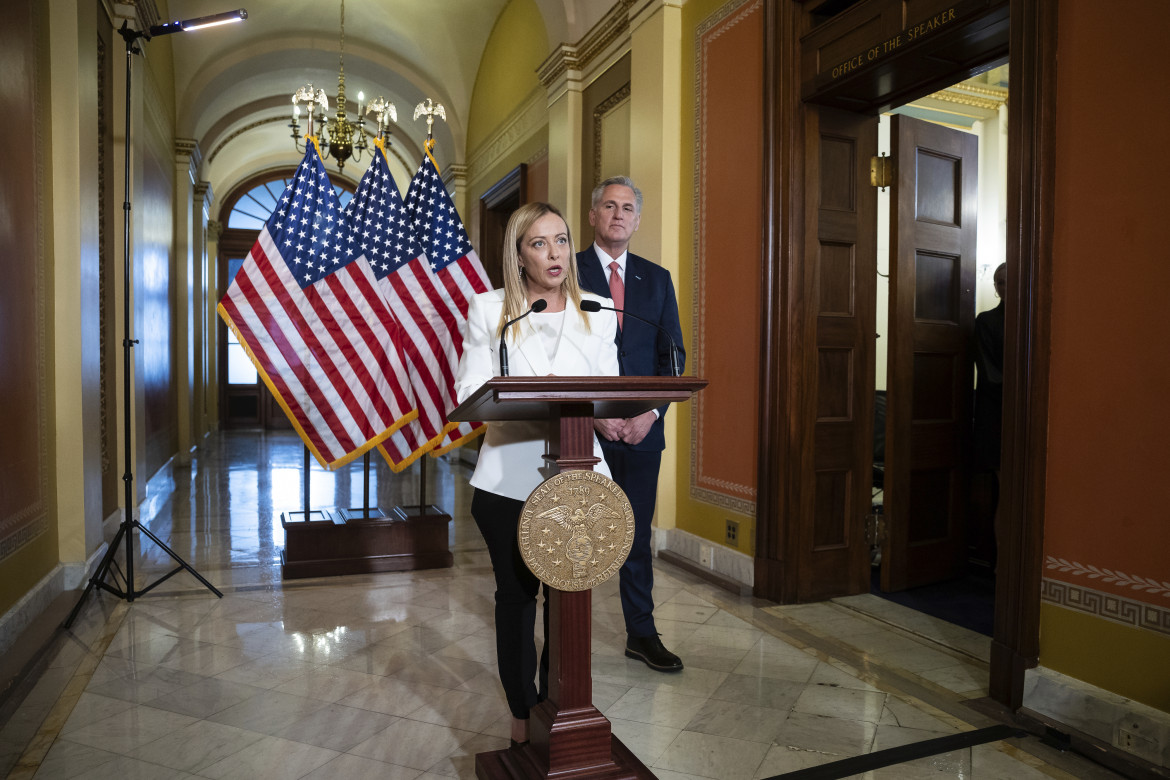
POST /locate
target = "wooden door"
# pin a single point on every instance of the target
(244, 401)
(841, 249)
(932, 310)
(495, 208)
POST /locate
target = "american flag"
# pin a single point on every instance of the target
(379, 223)
(309, 312)
(454, 263)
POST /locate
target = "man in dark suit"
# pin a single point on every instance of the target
(633, 447)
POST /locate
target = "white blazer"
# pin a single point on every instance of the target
(511, 462)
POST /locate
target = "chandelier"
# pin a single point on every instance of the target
(340, 138)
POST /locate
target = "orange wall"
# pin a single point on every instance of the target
(719, 279)
(730, 191)
(1108, 490)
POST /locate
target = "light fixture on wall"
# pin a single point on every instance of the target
(339, 138)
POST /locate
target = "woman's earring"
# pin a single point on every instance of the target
(521, 273)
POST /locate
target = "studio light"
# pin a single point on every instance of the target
(187, 25)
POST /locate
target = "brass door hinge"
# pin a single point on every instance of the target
(881, 171)
(875, 528)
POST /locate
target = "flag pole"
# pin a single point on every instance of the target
(430, 110)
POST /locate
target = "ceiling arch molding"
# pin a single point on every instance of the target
(272, 112)
(307, 59)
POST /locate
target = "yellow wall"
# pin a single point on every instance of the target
(698, 517)
(507, 71)
(1128, 661)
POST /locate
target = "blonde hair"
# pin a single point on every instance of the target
(516, 286)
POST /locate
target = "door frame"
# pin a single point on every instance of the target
(785, 438)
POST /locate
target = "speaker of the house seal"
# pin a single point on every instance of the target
(576, 530)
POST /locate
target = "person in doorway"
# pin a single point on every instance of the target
(633, 447)
(538, 264)
(988, 416)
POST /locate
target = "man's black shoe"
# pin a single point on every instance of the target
(649, 650)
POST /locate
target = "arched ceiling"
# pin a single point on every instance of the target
(233, 84)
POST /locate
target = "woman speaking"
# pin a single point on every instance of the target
(553, 338)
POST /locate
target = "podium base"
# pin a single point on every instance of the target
(524, 763)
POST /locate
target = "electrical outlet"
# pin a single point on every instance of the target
(733, 533)
(705, 555)
(1138, 739)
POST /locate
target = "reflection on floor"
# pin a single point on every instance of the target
(393, 675)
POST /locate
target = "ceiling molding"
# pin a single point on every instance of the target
(525, 121)
(612, 27)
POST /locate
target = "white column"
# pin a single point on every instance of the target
(215, 289)
(201, 324)
(187, 158)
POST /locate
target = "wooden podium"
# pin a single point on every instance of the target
(568, 736)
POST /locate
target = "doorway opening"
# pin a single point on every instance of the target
(936, 451)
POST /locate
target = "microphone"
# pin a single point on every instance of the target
(539, 305)
(595, 306)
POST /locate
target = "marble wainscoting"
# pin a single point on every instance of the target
(1112, 719)
(728, 565)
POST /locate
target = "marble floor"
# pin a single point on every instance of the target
(392, 676)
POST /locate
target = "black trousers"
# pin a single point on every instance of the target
(516, 588)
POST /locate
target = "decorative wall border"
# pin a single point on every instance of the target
(104, 260)
(1116, 609)
(736, 497)
(1113, 577)
(611, 103)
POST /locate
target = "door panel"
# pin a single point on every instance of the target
(841, 249)
(932, 311)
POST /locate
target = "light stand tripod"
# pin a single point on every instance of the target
(130, 522)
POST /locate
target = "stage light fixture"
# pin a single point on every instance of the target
(198, 23)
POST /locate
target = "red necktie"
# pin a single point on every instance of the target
(617, 289)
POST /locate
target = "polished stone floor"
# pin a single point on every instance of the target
(392, 676)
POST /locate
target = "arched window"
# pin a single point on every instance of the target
(253, 208)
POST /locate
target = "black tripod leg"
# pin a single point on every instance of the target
(98, 574)
(182, 564)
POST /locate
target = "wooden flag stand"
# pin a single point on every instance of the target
(568, 736)
(362, 540)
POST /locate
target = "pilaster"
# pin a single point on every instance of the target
(562, 79)
(655, 154)
(187, 307)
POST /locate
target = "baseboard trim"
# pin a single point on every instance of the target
(30, 606)
(1096, 750)
(728, 584)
